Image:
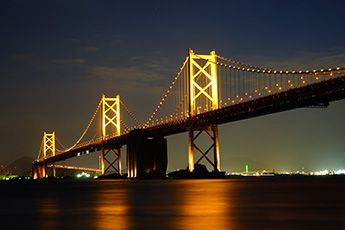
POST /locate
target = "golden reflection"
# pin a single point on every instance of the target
(207, 204)
(49, 212)
(112, 207)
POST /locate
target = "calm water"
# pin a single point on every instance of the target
(258, 203)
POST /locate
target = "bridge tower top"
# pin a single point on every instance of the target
(48, 144)
(203, 84)
(110, 115)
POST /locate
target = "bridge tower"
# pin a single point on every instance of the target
(203, 96)
(49, 147)
(111, 121)
(48, 143)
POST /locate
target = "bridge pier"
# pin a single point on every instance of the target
(39, 170)
(146, 155)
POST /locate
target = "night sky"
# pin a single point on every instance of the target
(58, 57)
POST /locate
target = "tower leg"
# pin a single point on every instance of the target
(191, 151)
(216, 149)
(102, 162)
(119, 160)
(54, 172)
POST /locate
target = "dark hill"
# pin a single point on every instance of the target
(21, 167)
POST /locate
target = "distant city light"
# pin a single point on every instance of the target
(83, 174)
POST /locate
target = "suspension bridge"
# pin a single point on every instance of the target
(209, 90)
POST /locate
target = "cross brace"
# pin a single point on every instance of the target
(214, 146)
(111, 163)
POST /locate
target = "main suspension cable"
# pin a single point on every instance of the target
(166, 95)
(270, 71)
(129, 112)
(87, 128)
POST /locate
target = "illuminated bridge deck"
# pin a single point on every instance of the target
(317, 94)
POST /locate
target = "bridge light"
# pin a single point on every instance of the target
(293, 72)
(317, 78)
(314, 70)
(307, 71)
(280, 71)
(287, 72)
(321, 70)
(275, 71)
(329, 69)
(300, 71)
(338, 68)
(289, 81)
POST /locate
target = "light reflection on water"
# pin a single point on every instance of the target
(174, 204)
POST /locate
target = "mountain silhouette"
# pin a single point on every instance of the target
(21, 167)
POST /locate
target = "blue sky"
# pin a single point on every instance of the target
(58, 57)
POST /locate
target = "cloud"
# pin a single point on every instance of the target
(302, 61)
(133, 76)
(19, 57)
(137, 58)
(71, 61)
(89, 49)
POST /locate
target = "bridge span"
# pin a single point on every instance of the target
(208, 91)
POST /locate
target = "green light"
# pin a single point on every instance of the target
(246, 168)
(150, 138)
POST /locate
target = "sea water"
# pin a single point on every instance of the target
(254, 203)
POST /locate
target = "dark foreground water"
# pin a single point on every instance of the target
(258, 203)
